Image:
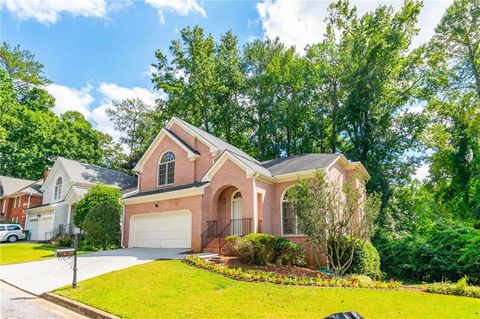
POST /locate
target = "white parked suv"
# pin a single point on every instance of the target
(11, 232)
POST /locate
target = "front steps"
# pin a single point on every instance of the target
(212, 247)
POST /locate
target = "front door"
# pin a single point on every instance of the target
(237, 215)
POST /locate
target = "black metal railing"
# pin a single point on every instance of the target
(62, 229)
(209, 234)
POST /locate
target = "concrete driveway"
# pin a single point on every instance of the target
(46, 275)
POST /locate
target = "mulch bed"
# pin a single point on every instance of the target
(281, 270)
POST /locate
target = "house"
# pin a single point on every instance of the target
(16, 195)
(195, 189)
(67, 182)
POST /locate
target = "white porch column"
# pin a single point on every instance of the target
(255, 206)
(69, 213)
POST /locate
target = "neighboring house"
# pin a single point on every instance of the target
(67, 182)
(16, 195)
(195, 189)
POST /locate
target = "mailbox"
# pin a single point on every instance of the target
(65, 252)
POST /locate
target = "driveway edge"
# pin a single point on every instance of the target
(78, 307)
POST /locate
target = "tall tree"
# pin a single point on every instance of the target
(453, 88)
(379, 78)
(137, 121)
(31, 135)
(257, 56)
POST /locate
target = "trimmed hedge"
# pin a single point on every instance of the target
(366, 260)
(288, 253)
(352, 281)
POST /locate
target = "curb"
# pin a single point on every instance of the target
(78, 307)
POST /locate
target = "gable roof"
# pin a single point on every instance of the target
(191, 152)
(33, 189)
(299, 163)
(10, 185)
(90, 173)
(214, 142)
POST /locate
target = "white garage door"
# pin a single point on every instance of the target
(38, 227)
(163, 230)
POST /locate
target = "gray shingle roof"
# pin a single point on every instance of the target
(166, 189)
(222, 145)
(11, 185)
(33, 188)
(298, 163)
(90, 173)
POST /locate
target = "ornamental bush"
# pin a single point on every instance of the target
(102, 226)
(288, 253)
(256, 249)
(97, 194)
(366, 260)
(260, 249)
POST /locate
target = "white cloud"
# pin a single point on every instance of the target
(422, 172)
(302, 22)
(182, 7)
(112, 92)
(50, 11)
(70, 99)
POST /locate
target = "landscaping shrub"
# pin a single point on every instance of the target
(95, 195)
(102, 226)
(271, 277)
(63, 241)
(256, 249)
(442, 250)
(366, 260)
(460, 288)
(288, 253)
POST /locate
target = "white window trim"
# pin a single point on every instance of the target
(296, 234)
(166, 168)
(55, 198)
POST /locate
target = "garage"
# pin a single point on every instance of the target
(39, 226)
(162, 230)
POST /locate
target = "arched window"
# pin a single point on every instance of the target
(166, 169)
(289, 218)
(57, 194)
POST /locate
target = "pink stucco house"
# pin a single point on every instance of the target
(194, 189)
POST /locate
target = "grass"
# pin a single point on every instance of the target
(24, 252)
(171, 289)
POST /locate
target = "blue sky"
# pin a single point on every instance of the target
(96, 51)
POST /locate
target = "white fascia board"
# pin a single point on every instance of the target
(193, 191)
(160, 136)
(351, 165)
(295, 175)
(221, 161)
(175, 120)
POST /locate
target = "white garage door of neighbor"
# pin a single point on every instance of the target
(163, 230)
(38, 227)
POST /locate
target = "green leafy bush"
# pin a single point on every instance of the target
(96, 195)
(461, 288)
(288, 253)
(366, 260)
(256, 249)
(272, 277)
(102, 226)
(439, 251)
(63, 241)
(260, 249)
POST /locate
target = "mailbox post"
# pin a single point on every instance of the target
(70, 255)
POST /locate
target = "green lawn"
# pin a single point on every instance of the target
(171, 289)
(24, 252)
